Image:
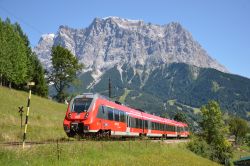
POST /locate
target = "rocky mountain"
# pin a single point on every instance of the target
(158, 68)
(172, 88)
(116, 41)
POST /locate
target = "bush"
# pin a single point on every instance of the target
(199, 147)
(221, 151)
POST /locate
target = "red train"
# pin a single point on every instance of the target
(95, 115)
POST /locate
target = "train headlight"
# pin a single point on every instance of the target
(86, 115)
(69, 115)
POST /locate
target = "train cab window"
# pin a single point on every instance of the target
(122, 116)
(116, 112)
(81, 105)
(110, 113)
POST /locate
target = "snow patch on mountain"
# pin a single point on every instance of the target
(114, 41)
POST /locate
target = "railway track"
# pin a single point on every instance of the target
(30, 143)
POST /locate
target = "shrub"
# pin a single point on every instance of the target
(199, 147)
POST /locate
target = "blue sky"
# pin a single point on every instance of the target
(222, 27)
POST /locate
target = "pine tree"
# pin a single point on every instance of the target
(13, 55)
(180, 117)
(18, 64)
(38, 76)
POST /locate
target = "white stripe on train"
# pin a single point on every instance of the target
(120, 133)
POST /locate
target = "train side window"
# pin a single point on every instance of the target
(145, 124)
(133, 122)
(137, 123)
(101, 113)
(110, 113)
(116, 115)
(122, 116)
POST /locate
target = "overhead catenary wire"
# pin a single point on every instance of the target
(21, 20)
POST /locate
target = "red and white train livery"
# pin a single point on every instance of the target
(93, 114)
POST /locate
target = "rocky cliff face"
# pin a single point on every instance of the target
(158, 68)
(114, 41)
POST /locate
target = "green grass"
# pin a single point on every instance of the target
(242, 151)
(108, 153)
(45, 123)
(45, 119)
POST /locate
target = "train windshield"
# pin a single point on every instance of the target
(81, 105)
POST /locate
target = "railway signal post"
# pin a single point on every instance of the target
(28, 110)
(21, 115)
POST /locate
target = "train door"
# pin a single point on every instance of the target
(143, 126)
(149, 127)
(128, 120)
(176, 131)
(101, 115)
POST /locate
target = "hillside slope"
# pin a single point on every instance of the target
(45, 120)
(172, 88)
(45, 123)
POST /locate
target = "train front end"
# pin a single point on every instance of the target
(76, 118)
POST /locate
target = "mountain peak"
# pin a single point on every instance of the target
(117, 41)
(48, 36)
(115, 18)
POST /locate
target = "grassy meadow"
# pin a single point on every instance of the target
(104, 153)
(45, 119)
(45, 123)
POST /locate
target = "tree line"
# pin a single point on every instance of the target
(18, 64)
